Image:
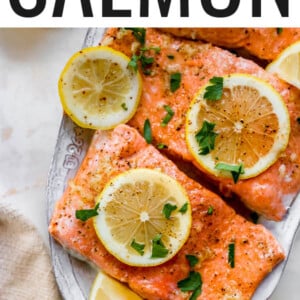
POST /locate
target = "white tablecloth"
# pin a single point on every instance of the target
(30, 63)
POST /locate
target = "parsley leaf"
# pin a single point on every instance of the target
(85, 214)
(279, 30)
(138, 247)
(231, 250)
(236, 170)
(196, 293)
(170, 56)
(146, 61)
(190, 283)
(147, 132)
(184, 208)
(175, 80)
(206, 137)
(124, 106)
(158, 248)
(161, 146)
(168, 116)
(193, 260)
(139, 34)
(168, 209)
(133, 63)
(215, 90)
(210, 210)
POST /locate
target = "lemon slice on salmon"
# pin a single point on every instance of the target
(106, 288)
(97, 88)
(287, 65)
(243, 132)
(144, 217)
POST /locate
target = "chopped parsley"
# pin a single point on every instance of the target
(183, 208)
(210, 210)
(137, 247)
(168, 209)
(279, 30)
(236, 170)
(147, 131)
(215, 90)
(298, 120)
(124, 106)
(168, 116)
(161, 146)
(192, 259)
(85, 214)
(231, 251)
(158, 248)
(206, 137)
(191, 283)
(175, 80)
(170, 56)
(254, 217)
(139, 34)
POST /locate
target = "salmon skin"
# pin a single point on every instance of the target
(112, 152)
(268, 193)
(264, 43)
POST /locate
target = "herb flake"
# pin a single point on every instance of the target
(168, 209)
(236, 170)
(210, 210)
(170, 56)
(206, 137)
(139, 34)
(192, 259)
(124, 106)
(168, 117)
(184, 208)
(191, 283)
(161, 146)
(158, 248)
(147, 131)
(298, 120)
(85, 214)
(137, 247)
(231, 252)
(279, 30)
(215, 90)
(175, 81)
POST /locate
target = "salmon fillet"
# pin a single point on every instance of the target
(112, 152)
(264, 43)
(197, 63)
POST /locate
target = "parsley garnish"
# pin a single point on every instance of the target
(137, 247)
(147, 132)
(298, 120)
(231, 250)
(134, 62)
(85, 214)
(184, 208)
(210, 210)
(279, 30)
(254, 217)
(236, 170)
(192, 283)
(161, 146)
(168, 116)
(215, 90)
(124, 106)
(192, 259)
(158, 248)
(168, 209)
(139, 34)
(175, 80)
(170, 56)
(206, 137)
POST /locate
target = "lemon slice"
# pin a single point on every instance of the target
(107, 288)
(249, 125)
(287, 65)
(97, 88)
(144, 217)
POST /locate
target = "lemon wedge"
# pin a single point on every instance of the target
(97, 88)
(144, 217)
(106, 288)
(287, 65)
(241, 134)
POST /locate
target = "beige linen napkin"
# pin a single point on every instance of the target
(25, 266)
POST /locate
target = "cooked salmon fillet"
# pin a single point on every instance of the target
(267, 193)
(112, 152)
(264, 43)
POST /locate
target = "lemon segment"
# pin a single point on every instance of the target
(131, 219)
(287, 65)
(97, 88)
(106, 288)
(250, 122)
